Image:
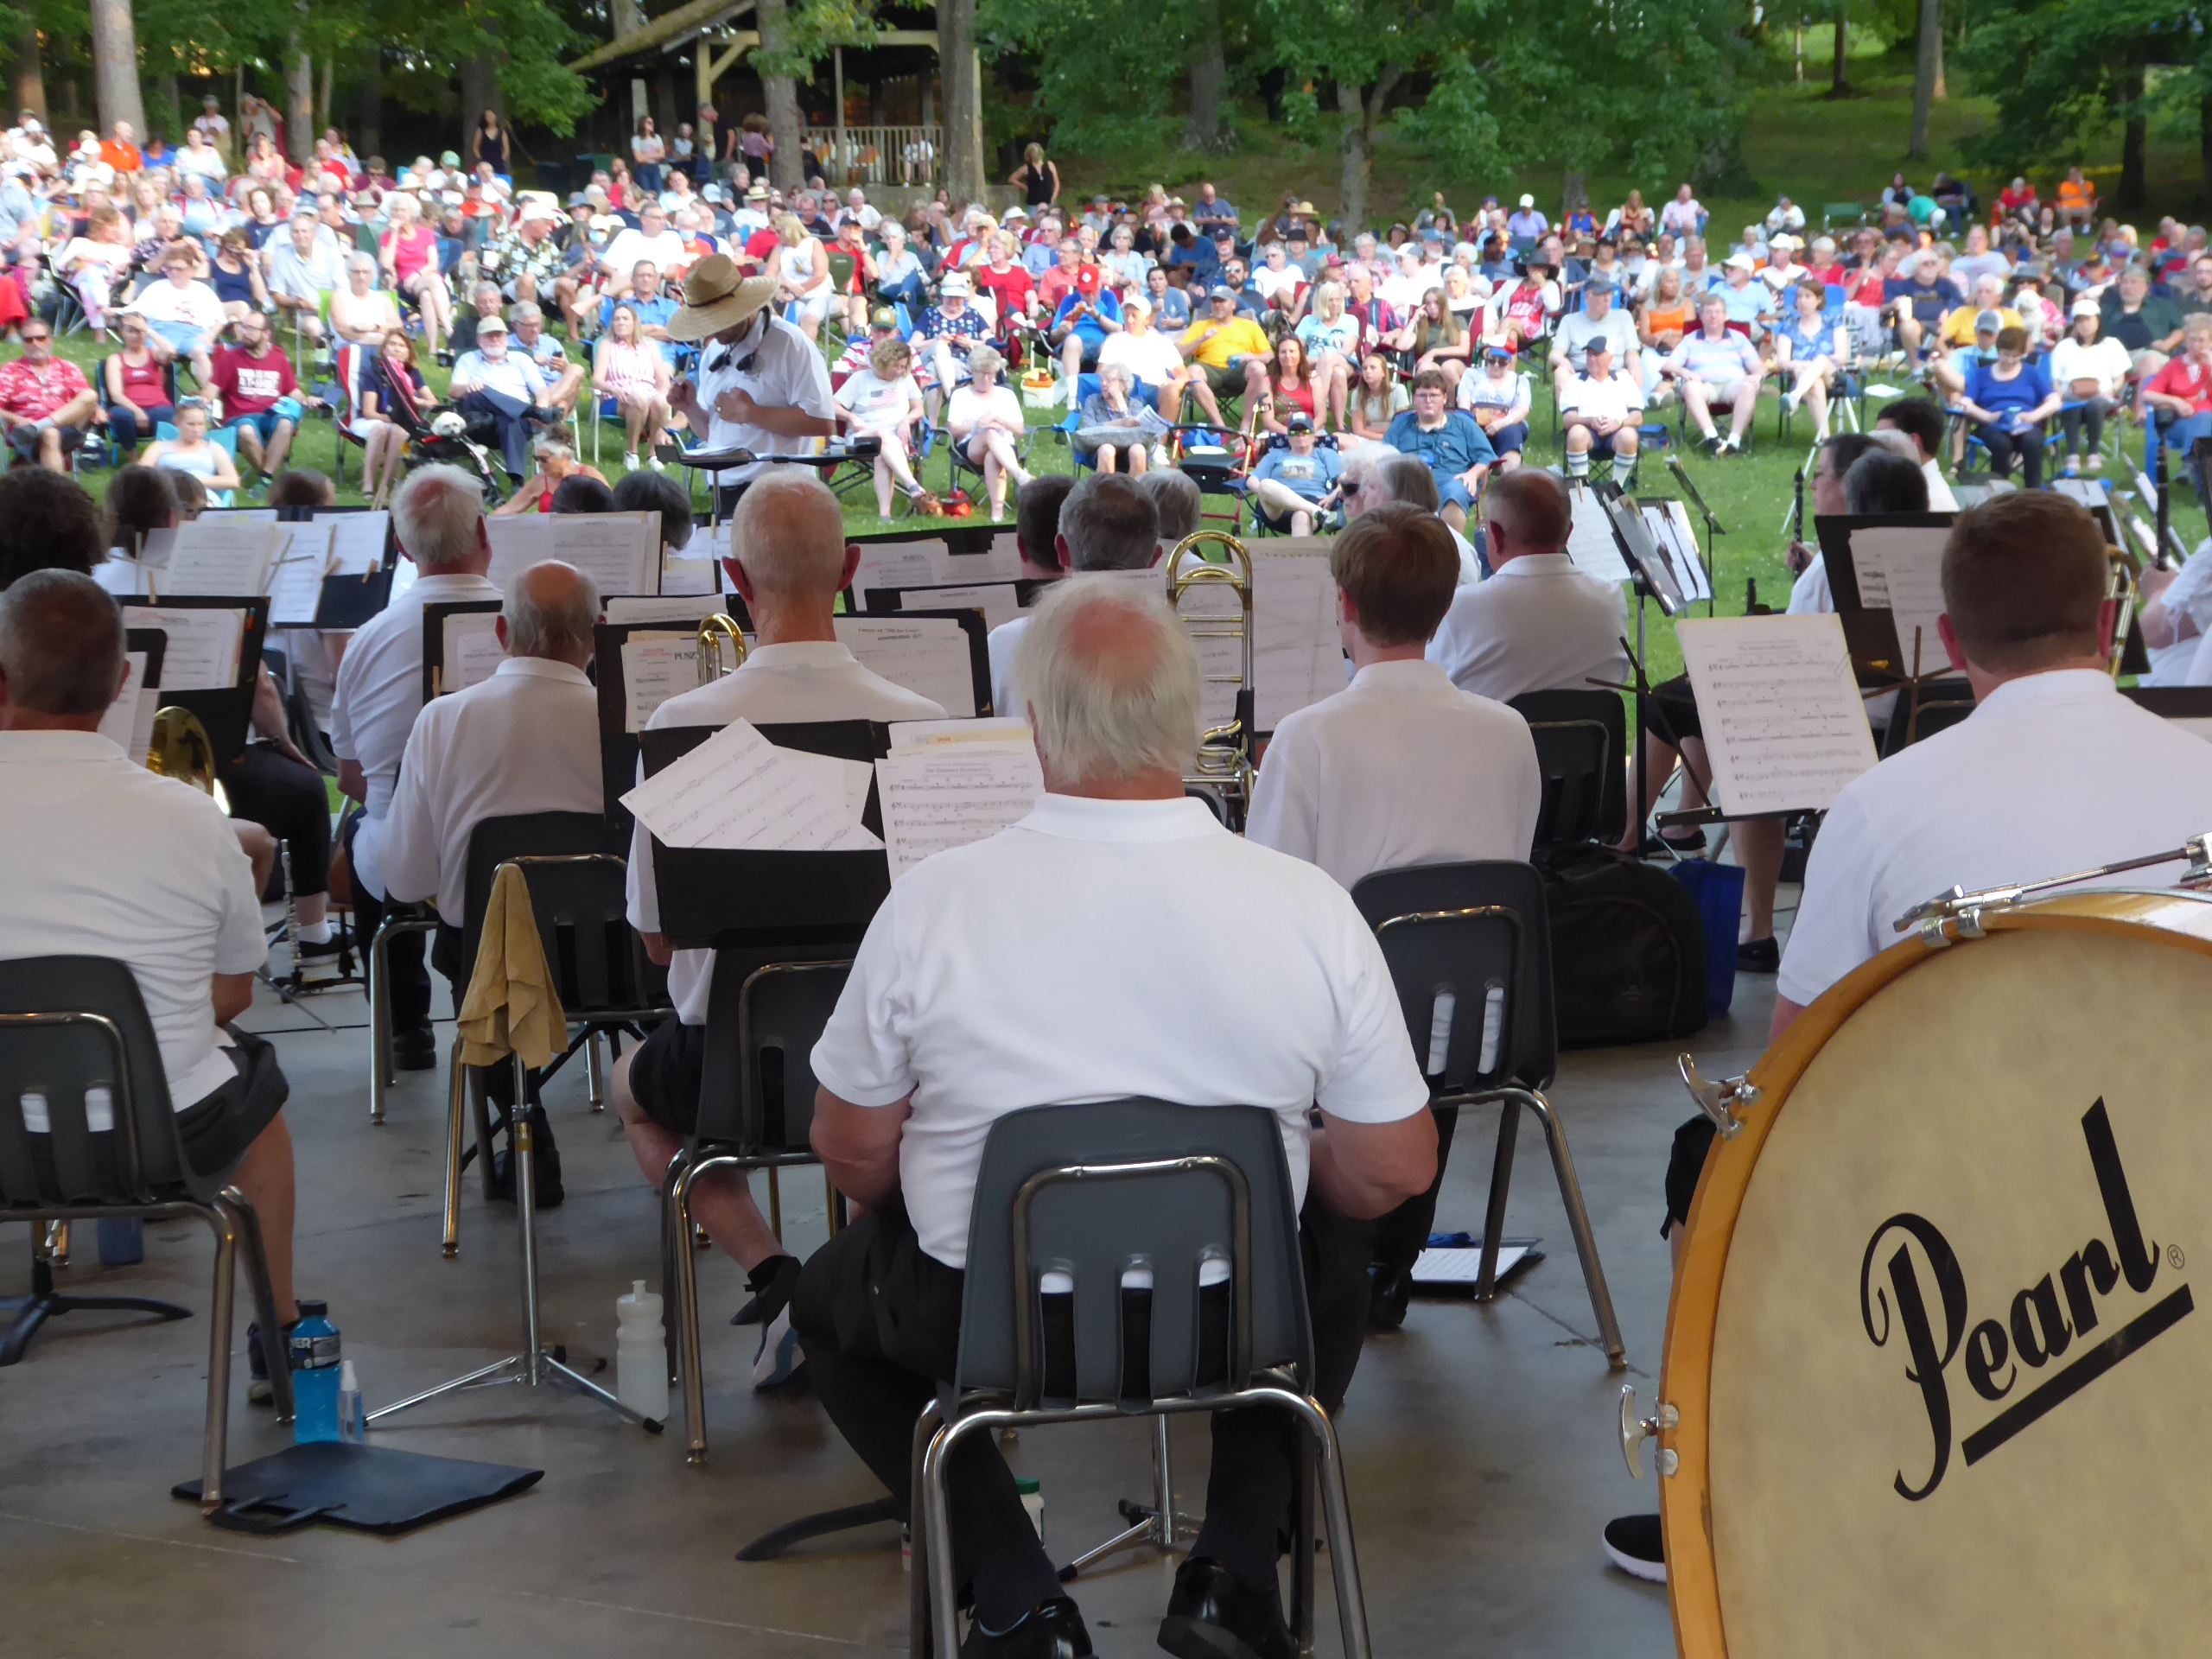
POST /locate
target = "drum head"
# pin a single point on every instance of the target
(1955, 1401)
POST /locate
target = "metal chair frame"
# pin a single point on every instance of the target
(382, 1074)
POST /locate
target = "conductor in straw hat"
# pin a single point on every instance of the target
(760, 384)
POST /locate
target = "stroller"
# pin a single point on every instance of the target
(447, 435)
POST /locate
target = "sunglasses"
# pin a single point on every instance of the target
(32, 340)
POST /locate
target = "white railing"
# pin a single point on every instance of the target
(879, 155)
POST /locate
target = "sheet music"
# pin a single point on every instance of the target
(227, 557)
(936, 796)
(900, 564)
(930, 656)
(996, 600)
(1589, 542)
(122, 723)
(619, 551)
(202, 654)
(1903, 567)
(2198, 726)
(295, 580)
(237, 516)
(738, 791)
(1669, 521)
(473, 653)
(154, 552)
(694, 608)
(1783, 720)
(655, 667)
(690, 575)
(933, 733)
(357, 542)
(403, 576)
(1297, 654)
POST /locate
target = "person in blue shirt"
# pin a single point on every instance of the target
(2008, 400)
(1080, 326)
(1210, 207)
(1922, 300)
(1170, 306)
(1298, 480)
(1458, 455)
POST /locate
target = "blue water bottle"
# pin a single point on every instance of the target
(315, 1363)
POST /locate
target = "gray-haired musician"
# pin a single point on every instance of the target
(1399, 767)
(1211, 971)
(524, 740)
(1107, 521)
(791, 562)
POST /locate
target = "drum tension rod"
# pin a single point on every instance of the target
(1949, 917)
(1636, 1430)
(1715, 1100)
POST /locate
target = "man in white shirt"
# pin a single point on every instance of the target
(183, 315)
(107, 859)
(1213, 972)
(653, 243)
(437, 517)
(1149, 356)
(524, 740)
(793, 560)
(1538, 624)
(1105, 521)
(508, 385)
(1599, 319)
(1036, 538)
(1921, 420)
(302, 269)
(1600, 410)
(761, 384)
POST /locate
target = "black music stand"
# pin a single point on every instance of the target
(715, 462)
(1652, 574)
(617, 747)
(226, 712)
(433, 639)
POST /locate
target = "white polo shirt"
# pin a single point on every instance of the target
(788, 684)
(1002, 642)
(1940, 499)
(1615, 396)
(524, 740)
(1399, 767)
(1099, 949)
(2052, 774)
(783, 369)
(105, 859)
(1537, 624)
(379, 693)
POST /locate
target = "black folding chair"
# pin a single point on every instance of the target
(1469, 947)
(1191, 1195)
(74, 1026)
(1582, 751)
(1940, 708)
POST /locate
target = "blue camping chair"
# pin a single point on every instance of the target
(223, 437)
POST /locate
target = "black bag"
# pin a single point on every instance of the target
(1628, 949)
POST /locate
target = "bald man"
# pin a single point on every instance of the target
(795, 559)
(524, 740)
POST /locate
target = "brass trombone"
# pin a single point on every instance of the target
(1223, 768)
(182, 749)
(712, 632)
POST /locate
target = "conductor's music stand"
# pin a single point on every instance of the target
(1713, 527)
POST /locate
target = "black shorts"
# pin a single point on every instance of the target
(1693, 1146)
(665, 1072)
(1670, 714)
(215, 1131)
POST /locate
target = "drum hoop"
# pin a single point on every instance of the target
(1686, 1369)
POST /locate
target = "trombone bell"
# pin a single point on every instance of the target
(1223, 766)
(712, 632)
(182, 749)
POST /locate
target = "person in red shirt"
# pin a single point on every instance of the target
(2180, 394)
(1002, 277)
(254, 380)
(1057, 283)
(46, 404)
(119, 152)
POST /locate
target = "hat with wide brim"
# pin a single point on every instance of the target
(716, 297)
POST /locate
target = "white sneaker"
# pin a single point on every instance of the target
(779, 1355)
(656, 463)
(630, 461)
(1159, 456)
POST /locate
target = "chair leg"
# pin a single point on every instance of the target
(1501, 1177)
(1336, 1508)
(379, 1027)
(919, 1545)
(273, 1359)
(215, 1441)
(932, 1503)
(595, 1068)
(456, 1115)
(1578, 1219)
(1301, 1548)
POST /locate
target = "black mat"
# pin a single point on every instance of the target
(365, 1488)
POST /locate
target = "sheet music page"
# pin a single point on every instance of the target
(403, 576)
(939, 795)
(1297, 654)
(996, 600)
(738, 791)
(1909, 563)
(2196, 726)
(1783, 720)
(931, 733)
(237, 516)
(1669, 521)
(693, 608)
(472, 649)
(656, 667)
(928, 655)
(227, 557)
(154, 552)
(295, 580)
(357, 541)
(124, 578)
(203, 649)
(685, 576)
(619, 551)
(1589, 542)
(121, 721)
(901, 564)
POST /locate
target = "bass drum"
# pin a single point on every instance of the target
(1937, 1378)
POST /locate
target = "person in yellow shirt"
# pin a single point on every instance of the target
(1231, 352)
(1962, 322)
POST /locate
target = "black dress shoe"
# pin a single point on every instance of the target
(545, 1167)
(1053, 1631)
(1213, 1615)
(414, 1050)
(1389, 1290)
(1759, 957)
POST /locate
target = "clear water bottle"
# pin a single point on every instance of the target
(315, 1365)
(352, 1421)
(641, 1353)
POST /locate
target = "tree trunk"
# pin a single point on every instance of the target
(627, 16)
(963, 99)
(115, 65)
(780, 94)
(299, 94)
(1839, 75)
(2204, 142)
(368, 113)
(1358, 158)
(325, 114)
(30, 74)
(1209, 72)
(1927, 71)
(480, 90)
(2133, 182)
(1942, 86)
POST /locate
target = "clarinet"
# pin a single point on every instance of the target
(1797, 527)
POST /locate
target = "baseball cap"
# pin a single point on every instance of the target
(538, 208)
(494, 324)
(1300, 421)
(1987, 322)
(883, 316)
(1015, 211)
(1225, 232)
(1600, 285)
(449, 159)
(1498, 351)
(1221, 291)
(712, 193)
(2086, 307)
(955, 284)
(1527, 201)
(1741, 262)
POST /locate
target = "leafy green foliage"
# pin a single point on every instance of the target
(2059, 72)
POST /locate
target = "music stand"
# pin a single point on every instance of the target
(1713, 527)
(1651, 576)
(618, 746)
(433, 639)
(721, 461)
(226, 712)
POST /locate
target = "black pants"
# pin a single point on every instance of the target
(2003, 445)
(288, 800)
(2091, 414)
(1399, 1236)
(879, 1319)
(408, 980)
(511, 417)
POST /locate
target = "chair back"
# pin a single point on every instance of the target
(1581, 750)
(576, 876)
(1469, 947)
(73, 1028)
(1096, 1240)
(1938, 713)
(756, 1082)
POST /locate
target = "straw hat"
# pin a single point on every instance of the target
(717, 297)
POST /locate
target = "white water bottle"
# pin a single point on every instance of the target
(641, 1353)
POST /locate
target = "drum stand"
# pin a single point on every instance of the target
(535, 1367)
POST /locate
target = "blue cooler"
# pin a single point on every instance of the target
(1719, 891)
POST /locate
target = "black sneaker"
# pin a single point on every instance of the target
(1389, 1290)
(771, 1284)
(258, 1391)
(1759, 957)
(545, 1167)
(320, 950)
(1633, 1544)
(414, 1050)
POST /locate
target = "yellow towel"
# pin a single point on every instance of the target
(512, 1006)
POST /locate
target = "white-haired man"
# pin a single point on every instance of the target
(793, 562)
(437, 518)
(1214, 972)
(524, 740)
